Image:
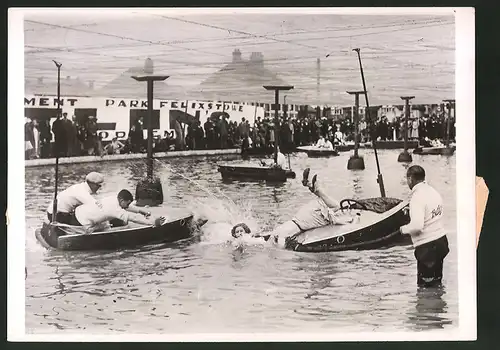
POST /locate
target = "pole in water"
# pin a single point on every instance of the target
(356, 162)
(380, 179)
(149, 190)
(56, 145)
(405, 156)
(451, 106)
(277, 89)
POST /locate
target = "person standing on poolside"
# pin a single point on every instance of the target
(426, 229)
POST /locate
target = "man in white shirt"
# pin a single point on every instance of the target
(328, 145)
(321, 142)
(426, 229)
(95, 218)
(339, 137)
(75, 195)
(280, 161)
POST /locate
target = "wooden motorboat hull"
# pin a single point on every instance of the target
(255, 173)
(391, 144)
(445, 151)
(317, 153)
(262, 151)
(346, 148)
(380, 234)
(56, 236)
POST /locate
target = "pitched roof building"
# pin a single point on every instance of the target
(45, 87)
(240, 80)
(124, 86)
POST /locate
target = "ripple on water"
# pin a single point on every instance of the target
(207, 286)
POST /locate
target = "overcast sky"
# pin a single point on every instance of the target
(410, 54)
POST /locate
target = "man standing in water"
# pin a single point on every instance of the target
(426, 229)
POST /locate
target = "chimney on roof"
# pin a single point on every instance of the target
(149, 66)
(40, 80)
(68, 77)
(91, 84)
(257, 59)
(236, 55)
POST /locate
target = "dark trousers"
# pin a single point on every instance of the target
(430, 257)
(65, 218)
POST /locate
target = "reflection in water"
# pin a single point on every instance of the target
(358, 190)
(430, 311)
(204, 285)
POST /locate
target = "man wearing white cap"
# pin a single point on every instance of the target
(74, 196)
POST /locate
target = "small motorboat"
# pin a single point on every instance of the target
(317, 152)
(67, 237)
(267, 173)
(345, 147)
(391, 144)
(377, 228)
(437, 150)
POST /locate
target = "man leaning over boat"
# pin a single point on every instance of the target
(96, 218)
(426, 229)
(74, 196)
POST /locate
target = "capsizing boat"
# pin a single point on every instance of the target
(376, 228)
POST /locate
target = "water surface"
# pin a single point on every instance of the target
(206, 286)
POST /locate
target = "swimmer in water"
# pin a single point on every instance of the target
(242, 234)
(240, 229)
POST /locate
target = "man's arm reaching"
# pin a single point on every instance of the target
(147, 221)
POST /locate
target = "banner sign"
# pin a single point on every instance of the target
(122, 112)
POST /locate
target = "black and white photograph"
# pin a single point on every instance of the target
(241, 174)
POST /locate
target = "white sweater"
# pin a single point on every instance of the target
(426, 213)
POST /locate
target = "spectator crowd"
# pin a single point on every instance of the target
(78, 138)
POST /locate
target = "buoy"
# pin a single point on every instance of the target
(356, 163)
(405, 157)
(149, 192)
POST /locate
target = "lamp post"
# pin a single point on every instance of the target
(149, 190)
(356, 162)
(276, 106)
(56, 145)
(405, 156)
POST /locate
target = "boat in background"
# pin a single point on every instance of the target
(264, 173)
(439, 150)
(378, 228)
(318, 152)
(67, 237)
(346, 147)
(391, 144)
(272, 173)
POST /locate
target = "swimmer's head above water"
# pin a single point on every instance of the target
(240, 229)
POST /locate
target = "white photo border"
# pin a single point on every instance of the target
(465, 180)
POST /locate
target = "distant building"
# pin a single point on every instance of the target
(48, 87)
